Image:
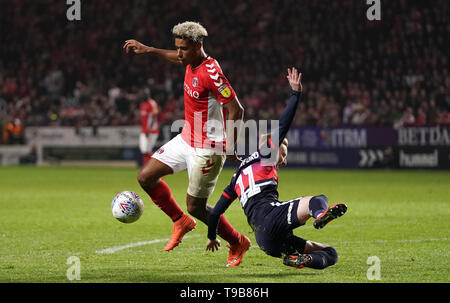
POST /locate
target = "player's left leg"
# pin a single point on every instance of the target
(238, 243)
(204, 169)
(317, 207)
(198, 208)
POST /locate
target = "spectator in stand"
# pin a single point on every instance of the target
(407, 119)
(13, 132)
(421, 118)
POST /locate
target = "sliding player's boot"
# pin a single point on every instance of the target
(181, 227)
(297, 261)
(331, 213)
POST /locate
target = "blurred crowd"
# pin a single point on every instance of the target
(392, 72)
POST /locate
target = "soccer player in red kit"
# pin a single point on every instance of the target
(209, 102)
(149, 110)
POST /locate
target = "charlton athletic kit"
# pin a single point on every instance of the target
(200, 146)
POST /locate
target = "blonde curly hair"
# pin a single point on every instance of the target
(190, 30)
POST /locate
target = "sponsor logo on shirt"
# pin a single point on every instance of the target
(193, 93)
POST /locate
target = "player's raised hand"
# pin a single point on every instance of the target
(135, 46)
(295, 79)
(213, 245)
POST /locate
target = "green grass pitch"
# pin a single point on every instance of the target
(52, 213)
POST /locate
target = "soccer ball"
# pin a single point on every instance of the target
(127, 207)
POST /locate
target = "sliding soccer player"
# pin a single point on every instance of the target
(255, 183)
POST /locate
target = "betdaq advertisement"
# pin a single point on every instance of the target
(370, 147)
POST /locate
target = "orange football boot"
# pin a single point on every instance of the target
(237, 251)
(181, 227)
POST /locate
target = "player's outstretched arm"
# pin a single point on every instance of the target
(140, 48)
(286, 118)
(225, 200)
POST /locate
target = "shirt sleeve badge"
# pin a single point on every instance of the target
(225, 91)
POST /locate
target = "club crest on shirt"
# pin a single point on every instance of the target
(195, 82)
(225, 91)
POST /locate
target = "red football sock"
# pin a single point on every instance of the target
(227, 232)
(162, 197)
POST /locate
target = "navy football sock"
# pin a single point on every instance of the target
(323, 258)
(293, 245)
(317, 205)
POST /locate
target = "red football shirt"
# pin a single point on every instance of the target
(149, 117)
(206, 89)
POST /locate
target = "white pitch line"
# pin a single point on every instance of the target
(115, 249)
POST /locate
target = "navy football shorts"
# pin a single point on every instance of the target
(273, 223)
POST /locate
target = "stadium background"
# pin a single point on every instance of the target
(387, 73)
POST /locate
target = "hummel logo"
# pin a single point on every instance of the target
(215, 77)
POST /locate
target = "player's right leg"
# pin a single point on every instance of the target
(166, 160)
(314, 255)
(150, 180)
